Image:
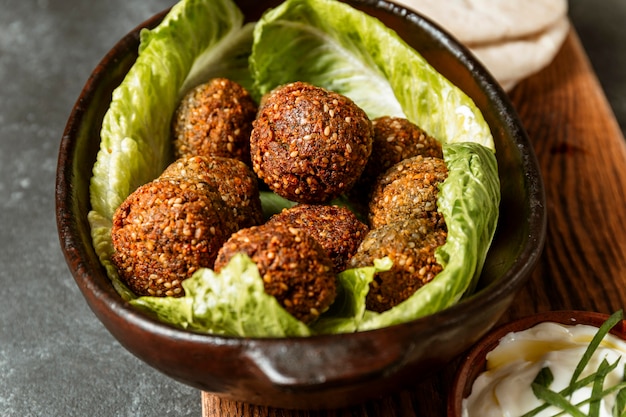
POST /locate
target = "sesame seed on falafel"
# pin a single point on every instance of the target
(408, 190)
(335, 228)
(411, 245)
(295, 269)
(235, 182)
(164, 231)
(396, 139)
(309, 144)
(215, 119)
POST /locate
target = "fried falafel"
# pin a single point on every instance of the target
(215, 119)
(295, 269)
(411, 246)
(234, 180)
(408, 190)
(309, 144)
(335, 228)
(164, 231)
(396, 139)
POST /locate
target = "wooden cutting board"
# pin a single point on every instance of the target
(582, 155)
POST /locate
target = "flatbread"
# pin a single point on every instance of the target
(487, 21)
(514, 60)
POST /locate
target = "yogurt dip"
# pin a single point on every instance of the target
(504, 389)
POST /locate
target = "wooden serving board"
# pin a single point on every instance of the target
(582, 155)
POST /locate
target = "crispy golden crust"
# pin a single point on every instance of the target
(234, 180)
(215, 119)
(395, 139)
(335, 228)
(294, 267)
(165, 231)
(411, 246)
(308, 144)
(408, 190)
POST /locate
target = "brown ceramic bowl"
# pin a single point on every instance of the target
(321, 371)
(474, 363)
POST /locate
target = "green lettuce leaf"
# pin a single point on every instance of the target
(331, 45)
(272, 203)
(197, 40)
(232, 302)
(135, 136)
(348, 310)
(101, 237)
(469, 200)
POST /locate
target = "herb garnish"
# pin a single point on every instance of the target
(544, 379)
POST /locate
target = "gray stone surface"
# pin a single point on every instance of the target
(600, 26)
(56, 359)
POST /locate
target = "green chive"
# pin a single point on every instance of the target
(595, 342)
(596, 389)
(557, 400)
(544, 378)
(619, 409)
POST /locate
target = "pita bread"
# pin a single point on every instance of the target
(513, 60)
(508, 85)
(487, 21)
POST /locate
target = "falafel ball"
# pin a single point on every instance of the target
(164, 231)
(234, 180)
(408, 190)
(309, 144)
(411, 246)
(294, 267)
(395, 139)
(215, 119)
(335, 228)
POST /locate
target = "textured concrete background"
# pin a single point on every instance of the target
(56, 359)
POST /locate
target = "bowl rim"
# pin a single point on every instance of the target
(511, 281)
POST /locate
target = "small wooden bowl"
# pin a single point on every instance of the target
(474, 363)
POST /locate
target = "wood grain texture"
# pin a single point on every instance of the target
(582, 155)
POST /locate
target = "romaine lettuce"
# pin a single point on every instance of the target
(135, 140)
(329, 44)
(348, 311)
(196, 39)
(232, 302)
(469, 200)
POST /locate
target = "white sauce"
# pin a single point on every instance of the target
(504, 389)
